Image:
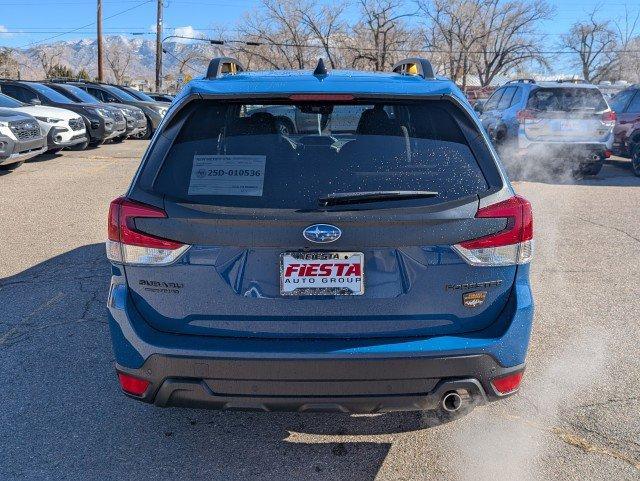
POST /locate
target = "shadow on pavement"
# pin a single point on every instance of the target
(64, 417)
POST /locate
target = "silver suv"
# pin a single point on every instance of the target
(568, 124)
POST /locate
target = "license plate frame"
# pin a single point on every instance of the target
(292, 283)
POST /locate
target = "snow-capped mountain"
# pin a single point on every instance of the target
(126, 58)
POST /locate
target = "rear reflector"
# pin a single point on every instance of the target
(126, 245)
(507, 384)
(609, 116)
(512, 245)
(132, 385)
(522, 115)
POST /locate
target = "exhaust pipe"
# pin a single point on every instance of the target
(595, 156)
(451, 401)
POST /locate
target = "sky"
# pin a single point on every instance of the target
(24, 23)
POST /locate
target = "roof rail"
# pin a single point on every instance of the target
(572, 81)
(522, 81)
(414, 66)
(223, 65)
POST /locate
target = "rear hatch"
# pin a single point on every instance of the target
(567, 114)
(388, 199)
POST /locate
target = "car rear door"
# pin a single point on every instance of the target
(232, 279)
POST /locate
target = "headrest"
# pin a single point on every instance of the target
(375, 121)
(260, 123)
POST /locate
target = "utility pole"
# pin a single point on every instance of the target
(100, 49)
(159, 48)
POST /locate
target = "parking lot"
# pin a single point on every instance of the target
(63, 417)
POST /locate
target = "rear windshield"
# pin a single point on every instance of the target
(288, 156)
(567, 99)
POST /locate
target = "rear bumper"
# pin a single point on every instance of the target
(354, 375)
(570, 151)
(334, 385)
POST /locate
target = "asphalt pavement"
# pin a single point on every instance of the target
(62, 415)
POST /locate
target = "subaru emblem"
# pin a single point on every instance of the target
(322, 233)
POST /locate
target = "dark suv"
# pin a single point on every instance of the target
(384, 267)
(626, 105)
(153, 111)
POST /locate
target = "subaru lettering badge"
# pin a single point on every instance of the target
(322, 233)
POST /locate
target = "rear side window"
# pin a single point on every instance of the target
(620, 101)
(287, 156)
(505, 100)
(634, 106)
(492, 103)
(567, 99)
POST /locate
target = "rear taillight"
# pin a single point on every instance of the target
(609, 116)
(511, 246)
(507, 384)
(126, 245)
(132, 385)
(523, 115)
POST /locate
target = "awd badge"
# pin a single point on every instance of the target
(474, 299)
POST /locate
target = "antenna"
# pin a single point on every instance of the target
(320, 69)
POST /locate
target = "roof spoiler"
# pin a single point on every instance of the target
(223, 65)
(521, 81)
(414, 66)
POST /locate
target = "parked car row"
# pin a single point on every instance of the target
(39, 117)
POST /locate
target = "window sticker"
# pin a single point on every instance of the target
(227, 175)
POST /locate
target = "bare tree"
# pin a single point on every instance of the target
(508, 37)
(118, 58)
(381, 36)
(9, 67)
(626, 31)
(326, 25)
(277, 35)
(453, 31)
(594, 43)
(47, 56)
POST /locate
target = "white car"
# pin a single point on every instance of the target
(61, 127)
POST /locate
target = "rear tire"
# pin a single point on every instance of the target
(635, 159)
(121, 138)
(592, 168)
(147, 133)
(13, 166)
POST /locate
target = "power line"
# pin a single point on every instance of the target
(252, 43)
(87, 25)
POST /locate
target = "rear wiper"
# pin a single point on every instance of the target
(338, 198)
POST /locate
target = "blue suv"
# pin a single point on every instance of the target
(379, 266)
